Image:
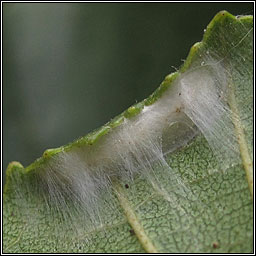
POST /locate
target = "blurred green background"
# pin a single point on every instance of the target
(68, 68)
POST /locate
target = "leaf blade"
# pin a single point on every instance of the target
(170, 229)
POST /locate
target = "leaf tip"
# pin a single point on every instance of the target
(12, 165)
(13, 169)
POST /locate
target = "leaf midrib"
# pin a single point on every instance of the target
(133, 220)
(244, 151)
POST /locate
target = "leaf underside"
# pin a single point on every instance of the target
(216, 215)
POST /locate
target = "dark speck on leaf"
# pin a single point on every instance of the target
(126, 186)
(132, 232)
(215, 245)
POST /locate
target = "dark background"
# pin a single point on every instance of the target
(68, 68)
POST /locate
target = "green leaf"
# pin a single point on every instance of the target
(205, 205)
